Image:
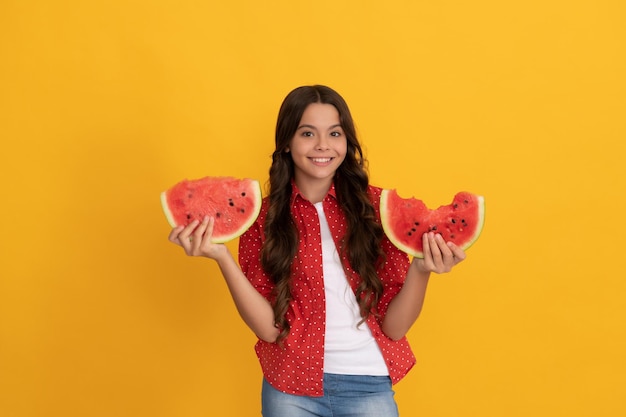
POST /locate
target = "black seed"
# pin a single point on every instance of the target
(188, 216)
(453, 221)
(455, 205)
(466, 201)
(218, 215)
(243, 194)
(434, 228)
(417, 223)
(231, 203)
(463, 221)
(452, 236)
(242, 210)
(409, 233)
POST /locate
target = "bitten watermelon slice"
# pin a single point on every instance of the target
(405, 220)
(233, 203)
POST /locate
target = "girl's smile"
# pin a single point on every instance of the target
(321, 161)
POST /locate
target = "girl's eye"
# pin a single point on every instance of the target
(335, 134)
(307, 134)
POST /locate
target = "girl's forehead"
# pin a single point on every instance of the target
(319, 112)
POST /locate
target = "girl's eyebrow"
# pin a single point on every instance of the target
(315, 128)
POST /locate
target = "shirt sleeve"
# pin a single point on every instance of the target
(250, 244)
(392, 274)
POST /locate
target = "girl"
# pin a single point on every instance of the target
(327, 294)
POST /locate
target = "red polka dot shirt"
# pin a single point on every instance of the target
(297, 367)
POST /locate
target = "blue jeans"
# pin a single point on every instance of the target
(344, 396)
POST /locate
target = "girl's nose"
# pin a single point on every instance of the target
(322, 143)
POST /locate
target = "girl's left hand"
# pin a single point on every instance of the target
(439, 256)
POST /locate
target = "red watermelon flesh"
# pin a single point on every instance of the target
(233, 203)
(405, 220)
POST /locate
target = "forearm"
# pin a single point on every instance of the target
(253, 308)
(406, 306)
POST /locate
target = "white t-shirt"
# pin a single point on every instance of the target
(348, 349)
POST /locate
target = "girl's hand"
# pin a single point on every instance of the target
(195, 239)
(439, 256)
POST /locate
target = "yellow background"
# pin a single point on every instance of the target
(105, 104)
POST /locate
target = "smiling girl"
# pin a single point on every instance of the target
(327, 294)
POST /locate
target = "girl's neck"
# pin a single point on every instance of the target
(314, 191)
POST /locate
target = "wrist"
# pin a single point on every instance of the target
(222, 255)
(418, 266)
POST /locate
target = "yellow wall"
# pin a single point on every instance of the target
(105, 104)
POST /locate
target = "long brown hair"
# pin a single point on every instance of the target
(361, 243)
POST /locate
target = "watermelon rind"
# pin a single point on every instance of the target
(255, 188)
(386, 219)
(480, 225)
(166, 210)
(258, 199)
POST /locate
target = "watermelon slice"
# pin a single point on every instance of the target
(233, 203)
(405, 220)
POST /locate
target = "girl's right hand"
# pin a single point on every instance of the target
(195, 239)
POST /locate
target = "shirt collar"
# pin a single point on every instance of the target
(295, 192)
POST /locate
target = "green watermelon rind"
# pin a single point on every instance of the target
(255, 187)
(385, 217)
(166, 210)
(479, 226)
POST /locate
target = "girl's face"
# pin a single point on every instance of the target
(318, 147)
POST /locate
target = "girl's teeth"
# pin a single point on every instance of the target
(320, 159)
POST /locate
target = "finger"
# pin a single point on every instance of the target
(208, 233)
(429, 263)
(438, 257)
(457, 252)
(446, 252)
(198, 234)
(426, 248)
(174, 233)
(185, 236)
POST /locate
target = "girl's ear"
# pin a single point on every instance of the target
(287, 150)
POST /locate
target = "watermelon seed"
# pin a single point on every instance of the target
(230, 203)
(243, 194)
(453, 221)
(413, 229)
(452, 236)
(188, 216)
(466, 201)
(455, 205)
(242, 210)
(218, 215)
(417, 223)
